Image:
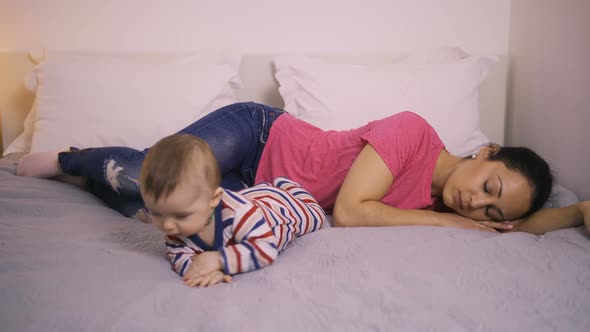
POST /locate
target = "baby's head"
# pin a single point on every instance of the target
(179, 184)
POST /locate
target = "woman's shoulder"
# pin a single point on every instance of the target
(408, 117)
(405, 129)
(406, 121)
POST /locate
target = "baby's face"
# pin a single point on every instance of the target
(185, 211)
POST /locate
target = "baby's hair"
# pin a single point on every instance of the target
(172, 159)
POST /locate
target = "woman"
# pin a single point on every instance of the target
(393, 171)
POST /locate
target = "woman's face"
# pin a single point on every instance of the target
(487, 190)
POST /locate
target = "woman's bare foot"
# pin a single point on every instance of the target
(39, 165)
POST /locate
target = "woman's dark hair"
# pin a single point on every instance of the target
(533, 167)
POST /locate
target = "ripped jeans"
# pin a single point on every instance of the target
(237, 135)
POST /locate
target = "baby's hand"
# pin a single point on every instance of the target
(208, 280)
(203, 264)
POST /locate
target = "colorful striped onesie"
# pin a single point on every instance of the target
(252, 227)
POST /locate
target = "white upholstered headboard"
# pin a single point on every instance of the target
(257, 75)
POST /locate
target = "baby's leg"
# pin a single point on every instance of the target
(39, 165)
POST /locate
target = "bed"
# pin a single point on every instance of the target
(69, 263)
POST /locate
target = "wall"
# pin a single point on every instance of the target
(254, 25)
(549, 86)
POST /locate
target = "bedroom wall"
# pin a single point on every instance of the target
(549, 86)
(255, 25)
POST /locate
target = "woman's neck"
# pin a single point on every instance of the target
(445, 164)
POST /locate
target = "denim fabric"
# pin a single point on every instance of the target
(236, 133)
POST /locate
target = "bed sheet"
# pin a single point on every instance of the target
(68, 263)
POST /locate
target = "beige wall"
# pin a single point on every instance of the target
(549, 86)
(254, 25)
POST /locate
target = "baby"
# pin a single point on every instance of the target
(213, 233)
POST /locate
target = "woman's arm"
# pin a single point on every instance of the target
(552, 219)
(368, 180)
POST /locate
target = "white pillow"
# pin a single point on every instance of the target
(22, 143)
(560, 197)
(443, 90)
(103, 100)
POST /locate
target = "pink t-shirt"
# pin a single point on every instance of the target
(319, 160)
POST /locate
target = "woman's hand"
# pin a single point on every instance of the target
(455, 220)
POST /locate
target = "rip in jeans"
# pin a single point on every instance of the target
(117, 177)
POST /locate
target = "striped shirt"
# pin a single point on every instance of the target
(252, 227)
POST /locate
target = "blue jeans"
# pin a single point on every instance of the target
(237, 135)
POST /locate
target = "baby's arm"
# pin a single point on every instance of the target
(195, 266)
(255, 245)
(180, 254)
(313, 210)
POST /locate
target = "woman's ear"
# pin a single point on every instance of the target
(216, 197)
(488, 151)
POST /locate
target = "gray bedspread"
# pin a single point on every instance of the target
(68, 263)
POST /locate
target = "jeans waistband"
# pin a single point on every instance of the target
(268, 117)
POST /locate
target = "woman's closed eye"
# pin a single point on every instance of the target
(494, 213)
(488, 208)
(486, 189)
